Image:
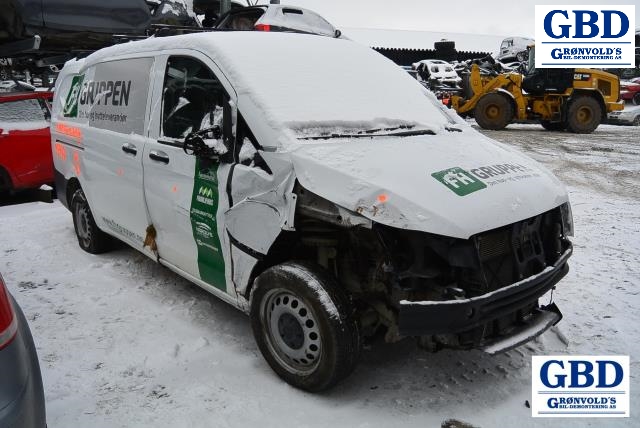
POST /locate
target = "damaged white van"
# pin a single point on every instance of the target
(331, 204)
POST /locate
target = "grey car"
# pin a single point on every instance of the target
(21, 391)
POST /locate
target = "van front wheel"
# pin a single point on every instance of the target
(90, 238)
(304, 326)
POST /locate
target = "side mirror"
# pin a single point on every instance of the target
(337, 34)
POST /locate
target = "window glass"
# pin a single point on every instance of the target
(193, 98)
(22, 111)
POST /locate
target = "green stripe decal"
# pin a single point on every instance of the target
(204, 205)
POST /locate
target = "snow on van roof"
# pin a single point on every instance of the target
(307, 82)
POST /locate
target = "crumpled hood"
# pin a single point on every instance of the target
(454, 183)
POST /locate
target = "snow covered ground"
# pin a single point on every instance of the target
(124, 342)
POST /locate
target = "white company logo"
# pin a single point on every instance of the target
(205, 195)
(585, 36)
(580, 386)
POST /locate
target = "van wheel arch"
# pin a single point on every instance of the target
(72, 185)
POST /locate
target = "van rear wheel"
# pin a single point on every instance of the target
(303, 324)
(493, 111)
(90, 237)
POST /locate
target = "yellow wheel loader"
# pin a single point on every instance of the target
(573, 99)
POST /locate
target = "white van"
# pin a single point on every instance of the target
(329, 204)
(514, 49)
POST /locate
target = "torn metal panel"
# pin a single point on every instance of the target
(262, 205)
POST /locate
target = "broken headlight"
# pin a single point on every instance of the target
(567, 219)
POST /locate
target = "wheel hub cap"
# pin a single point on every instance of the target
(292, 331)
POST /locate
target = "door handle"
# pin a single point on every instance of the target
(159, 156)
(129, 149)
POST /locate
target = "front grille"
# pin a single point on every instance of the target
(512, 253)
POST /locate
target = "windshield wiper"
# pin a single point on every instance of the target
(371, 133)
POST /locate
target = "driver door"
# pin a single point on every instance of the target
(181, 190)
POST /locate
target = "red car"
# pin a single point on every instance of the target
(25, 140)
(630, 90)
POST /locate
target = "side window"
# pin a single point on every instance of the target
(192, 99)
(62, 92)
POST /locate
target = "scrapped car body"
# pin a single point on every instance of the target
(630, 90)
(437, 70)
(514, 49)
(25, 140)
(629, 116)
(82, 24)
(276, 17)
(21, 393)
(330, 212)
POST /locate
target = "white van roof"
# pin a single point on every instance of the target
(305, 81)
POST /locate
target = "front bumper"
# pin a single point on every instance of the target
(456, 316)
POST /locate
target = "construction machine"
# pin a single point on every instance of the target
(573, 99)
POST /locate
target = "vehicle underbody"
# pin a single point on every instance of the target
(446, 292)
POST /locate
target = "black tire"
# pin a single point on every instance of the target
(636, 99)
(90, 237)
(583, 115)
(445, 46)
(493, 111)
(553, 126)
(5, 181)
(304, 326)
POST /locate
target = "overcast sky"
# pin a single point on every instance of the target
(513, 18)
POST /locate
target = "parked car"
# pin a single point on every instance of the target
(514, 49)
(330, 205)
(629, 116)
(276, 17)
(25, 140)
(431, 71)
(77, 24)
(42, 29)
(21, 393)
(630, 90)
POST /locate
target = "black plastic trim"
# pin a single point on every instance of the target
(61, 188)
(454, 316)
(242, 247)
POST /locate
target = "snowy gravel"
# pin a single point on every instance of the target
(124, 342)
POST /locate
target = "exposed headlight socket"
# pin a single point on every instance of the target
(567, 219)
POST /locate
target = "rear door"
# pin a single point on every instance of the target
(103, 128)
(182, 191)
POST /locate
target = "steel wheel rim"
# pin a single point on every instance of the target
(584, 115)
(492, 111)
(82, 225)
(292, 331)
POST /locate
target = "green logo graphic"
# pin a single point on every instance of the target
(204, 207)
(71, 105)
(459, 181)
